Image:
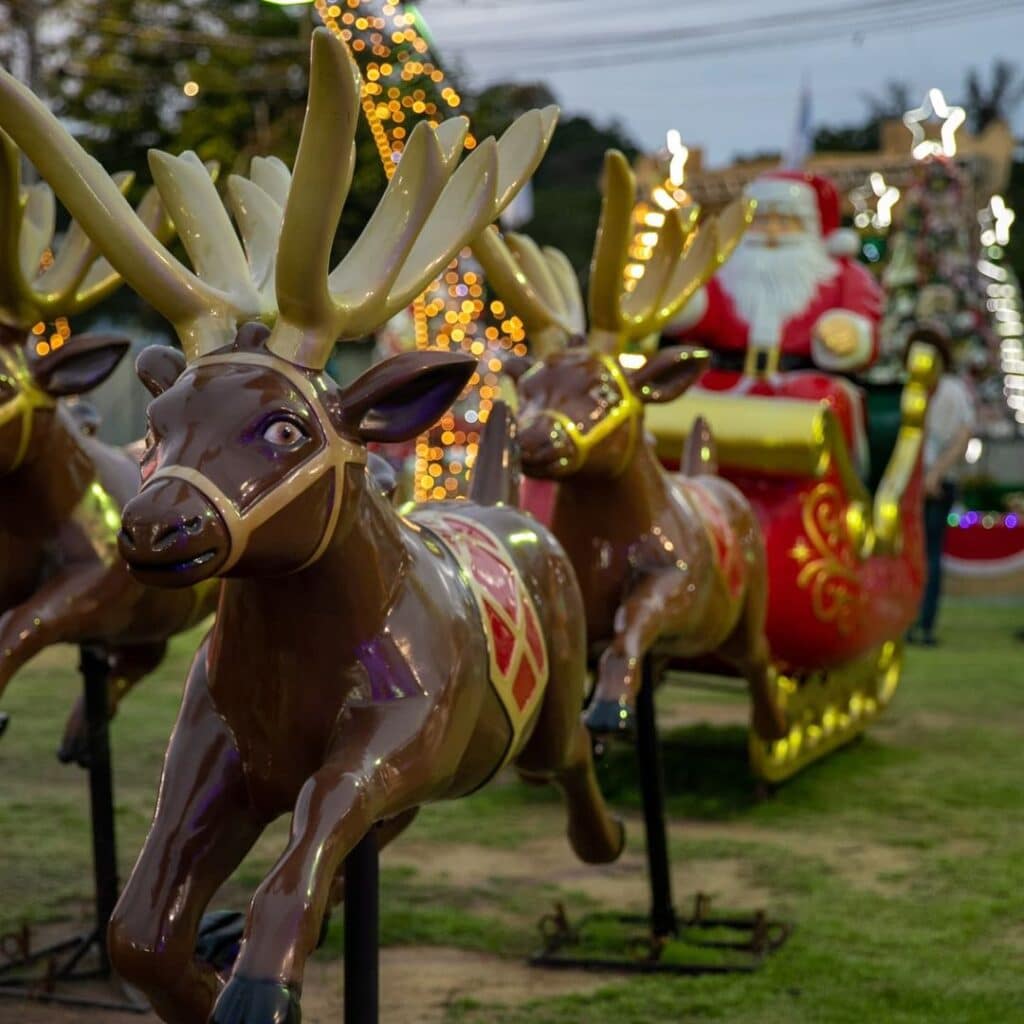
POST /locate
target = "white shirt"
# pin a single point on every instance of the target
(950, 410)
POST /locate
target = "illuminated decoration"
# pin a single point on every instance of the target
(996, 220)
(402, 86)
(874, 191)
(986, 520)
(649, 215)
(952, 118)
(1003, 301)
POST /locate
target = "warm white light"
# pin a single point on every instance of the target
(952, 118)
(190, 89)
(974, 449)
(680, 154)
(632, 360)
(663, 199)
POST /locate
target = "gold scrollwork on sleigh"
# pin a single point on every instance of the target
(828, 558)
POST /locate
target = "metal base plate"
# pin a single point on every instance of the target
(49, 974)
(704, 944)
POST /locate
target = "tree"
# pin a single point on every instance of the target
(223, 78)
(996, 101)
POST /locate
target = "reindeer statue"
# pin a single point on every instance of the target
(61, 492)
(361, 663)
(666, 562)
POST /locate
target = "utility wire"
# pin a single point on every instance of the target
(598, 60)
(685, 33)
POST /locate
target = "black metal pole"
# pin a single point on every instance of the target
(652, 786)
(362, 932)
(95, 669)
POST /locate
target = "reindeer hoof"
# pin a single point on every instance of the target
(220, 935)
(74, 749)
(606, 717)
(247, 1001)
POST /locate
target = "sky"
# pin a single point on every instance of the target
(726, 74)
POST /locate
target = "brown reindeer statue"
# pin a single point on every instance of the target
(361, 663)
(61, 492)
(667, 563)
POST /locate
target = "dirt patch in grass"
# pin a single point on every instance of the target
(418, 984)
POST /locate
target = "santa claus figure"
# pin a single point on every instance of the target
(792, 295)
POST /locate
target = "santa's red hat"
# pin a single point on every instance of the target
(811, 197)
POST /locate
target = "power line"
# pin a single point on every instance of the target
(685, 33)
(600, 60)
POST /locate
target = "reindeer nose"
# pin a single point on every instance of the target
(171, 526)
(542, 438)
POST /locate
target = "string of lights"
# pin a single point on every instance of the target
(403, 85)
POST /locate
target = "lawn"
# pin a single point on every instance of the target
(900, 860)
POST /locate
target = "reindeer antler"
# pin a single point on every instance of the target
(540, 287)
(428, 213)
(542, 290)
(78, 277)
(669, 282)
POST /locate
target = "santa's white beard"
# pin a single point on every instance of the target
(768, 286)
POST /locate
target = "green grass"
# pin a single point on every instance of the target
(900, 860)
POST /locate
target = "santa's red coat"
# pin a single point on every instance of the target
(712, 319)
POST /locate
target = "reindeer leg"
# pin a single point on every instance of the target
(377, 774)
(747, 651)
(559, 750)
(659, 599)
(202, 829)
(128, 665)
(63, 610)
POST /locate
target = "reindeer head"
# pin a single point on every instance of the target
(39, 281)
(255, 455)
(581, 410)
(30, 386)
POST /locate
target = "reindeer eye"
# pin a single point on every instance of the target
(284, 433)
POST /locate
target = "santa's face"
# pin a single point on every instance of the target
(775, 274)
(772, 229)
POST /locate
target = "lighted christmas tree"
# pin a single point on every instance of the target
(403, 86)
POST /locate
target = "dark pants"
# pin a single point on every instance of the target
(936, 514)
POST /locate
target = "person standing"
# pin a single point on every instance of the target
(948, 426)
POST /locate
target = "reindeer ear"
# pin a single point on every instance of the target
(668, 373)
(158, 367)
(404, 395)
(83, 362)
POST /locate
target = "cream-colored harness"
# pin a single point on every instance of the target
(336, 454)
(28, 398)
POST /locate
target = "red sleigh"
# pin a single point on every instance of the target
(845, 564)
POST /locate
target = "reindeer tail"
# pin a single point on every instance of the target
(700, 454)
(495, 479)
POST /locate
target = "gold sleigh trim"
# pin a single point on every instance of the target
(828, 559)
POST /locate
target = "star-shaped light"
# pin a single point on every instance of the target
(884, 197)
(952, 118)
(996, 220)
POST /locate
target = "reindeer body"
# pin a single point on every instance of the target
(64, 582)
(667, 564)
(380, 674)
